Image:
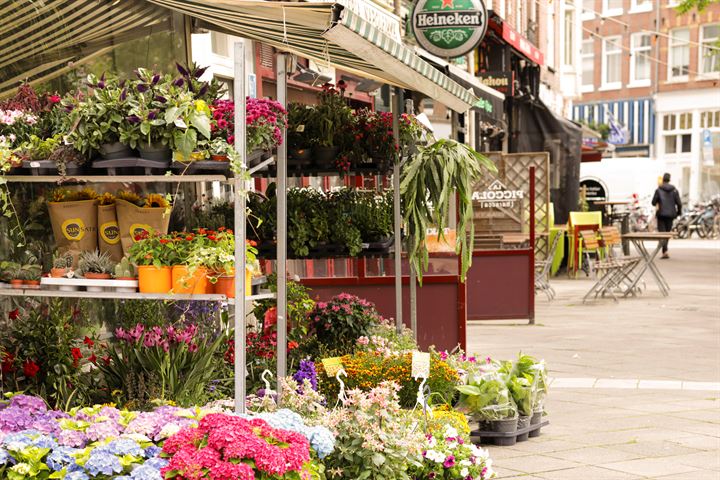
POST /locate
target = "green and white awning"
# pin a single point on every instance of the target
(329, 34)
(40, 40)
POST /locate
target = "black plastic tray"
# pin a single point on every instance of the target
(131, 165)
(506, 439)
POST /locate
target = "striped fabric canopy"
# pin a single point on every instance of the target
(40, 40)
(329, 34)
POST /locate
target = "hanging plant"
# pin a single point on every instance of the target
(429, 181)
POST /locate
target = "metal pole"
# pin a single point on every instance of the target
(240, 234)
(396, 109)
(282, 229)
(410, 109)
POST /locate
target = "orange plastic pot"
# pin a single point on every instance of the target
(183, 282)
(152, 279)
(225, 284)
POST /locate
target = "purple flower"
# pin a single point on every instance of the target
(155, 79)
(123, 94)
(181, 69)
(152, 115)
(306, 370)
(160, 98)
(142, 88)
(179, 82)
(199, 72)
(133, 119)
(100, 84)
(203, 90)
(449, 461)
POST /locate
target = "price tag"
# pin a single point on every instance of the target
(332, 365)
(420, 365)
(34, 164)
(300, 128)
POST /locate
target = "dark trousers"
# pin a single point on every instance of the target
(665, 224)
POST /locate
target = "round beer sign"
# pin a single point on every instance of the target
(449, 28)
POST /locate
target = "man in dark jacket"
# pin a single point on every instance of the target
(669, 206)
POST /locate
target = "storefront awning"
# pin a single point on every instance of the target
(329, 34)
(40, 40)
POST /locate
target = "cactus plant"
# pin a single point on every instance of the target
(95, 265)
(124, 269)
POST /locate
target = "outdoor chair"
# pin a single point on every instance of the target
(605, 271)
(542, 270)
(612, 243)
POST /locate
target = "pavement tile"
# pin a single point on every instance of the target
(524, 477)
(502, 472)
(536, 464)
(545, 447)
(703, 386)
(653, 449)
(696, 475)
(660, 384)
(590, 473)
(702, 460)
(573, 383)
(616, 383)
(699, 442)
(707, 415)
(594, 455)
(650, 467)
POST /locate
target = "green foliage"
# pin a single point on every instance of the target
(686, 5)
(332, 120)
(299, 131)
(487, 398)
(124, 269)
(95, 262)
(429, 183)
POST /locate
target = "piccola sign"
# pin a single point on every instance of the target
(449, 28)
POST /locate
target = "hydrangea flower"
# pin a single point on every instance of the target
(61, 457)
(102, 462)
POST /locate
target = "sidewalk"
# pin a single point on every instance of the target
(636, 385)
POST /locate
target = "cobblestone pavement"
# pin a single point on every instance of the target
(636, 384)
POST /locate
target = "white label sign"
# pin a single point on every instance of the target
(497, 195)
(375, 15)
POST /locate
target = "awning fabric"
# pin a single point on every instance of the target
(329, 34)
(40, 40)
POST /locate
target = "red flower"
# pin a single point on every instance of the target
(54, 98)
(164, 241)
(76, 354)
(30, 368)
(292, 345)
(106, 360)
(14, 314)
(212, 237)
(7, 363)
(92, 359)
(88, 341)
(189, 238)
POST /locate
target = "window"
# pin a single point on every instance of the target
(709, 49)
(588, 9)
(612, 7)
(550, 38)
(569, 36)
(640, 47)
(679, 61)
(587, 55)
(637, 6)
(677, 133)
(219, 44)
(710, 119)
(612, 63)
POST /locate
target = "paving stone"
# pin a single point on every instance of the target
(574, 383)
(616, 383)
(594, 455)
(708, 386)
(702, 460)
(660, 384)
(545, 447)
(653, 449)
(696, 475)
(590, 473)
(536, 464)
(650, 467)
(700, 442)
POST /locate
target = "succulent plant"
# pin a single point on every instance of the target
(31, 271)
(95, 262)
(62, 260)
(124, 269)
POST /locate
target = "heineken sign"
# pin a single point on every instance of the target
(449, 28)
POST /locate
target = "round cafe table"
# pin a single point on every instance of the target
(648, 259)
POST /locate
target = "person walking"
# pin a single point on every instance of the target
(668, 205)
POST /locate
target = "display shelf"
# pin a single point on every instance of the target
(18, 292)
(314, 171)
(114, 178)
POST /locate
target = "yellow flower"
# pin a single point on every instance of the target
(86, 193)
(201, 106)
(129, 197)
(106, 199)
(155, 200)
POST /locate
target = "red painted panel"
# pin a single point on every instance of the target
(497, 285)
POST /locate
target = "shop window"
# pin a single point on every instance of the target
(219, 44)
(588, 65)
(710, 119)
(637, 6)
(612, 63)
(569, 35)
(709, 49)
(640, 48)
(677, 132)
(679, 61)
(612, 7)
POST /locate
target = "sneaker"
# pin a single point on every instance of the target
(665, 256)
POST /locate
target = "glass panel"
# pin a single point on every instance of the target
(670, 144)
(679, 52)
(709, 55)
(686, 143)
(614, 64)
(588, 72)
(219, 43)
(569, 37)
(669, 122)
(613, 4)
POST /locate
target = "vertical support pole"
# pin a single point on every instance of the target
(240, 234)
(531, 286)
(281, 64)
(396, 109)
(410, 109)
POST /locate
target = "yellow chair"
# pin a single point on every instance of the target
(576, 222)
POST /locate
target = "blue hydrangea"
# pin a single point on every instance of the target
(125, 446)
(145, 472)
(321, 440)
(103, 462)
(4, 457)
(44, 441)
(156, 463)
(61, 457)
(76, 476)
(152, 451)
(17, 441)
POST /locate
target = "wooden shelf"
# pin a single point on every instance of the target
(115, 178)
(17, 292)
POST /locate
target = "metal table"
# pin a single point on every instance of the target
(648, 259)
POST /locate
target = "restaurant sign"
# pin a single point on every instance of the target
(497, 195)
(449, 28)
(500, 81)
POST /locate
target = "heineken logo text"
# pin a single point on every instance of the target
(443, 19)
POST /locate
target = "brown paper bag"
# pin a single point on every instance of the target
(74, 225)
(109, 232)
(133, 220)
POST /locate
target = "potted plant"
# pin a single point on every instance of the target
(154, 260)
(191, 119)
(95, 265)
(11, 274)
(220, 150)
(486, 399)
(31, 274)
(189, 274)
(299, 134)
(67, 159)
(62, 264)
(264, 120)
(125, 270)
(331, 120)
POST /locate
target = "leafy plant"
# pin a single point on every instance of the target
(332, 120)
(340, 207)
(429, 183)
(62, 155)
(62, 260)
(308, 222)
(124, 269)
(152, 249)
(487, 397)
(95, 262)
(299, 131)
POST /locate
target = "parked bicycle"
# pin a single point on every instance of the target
(702, 219)
(642, 216)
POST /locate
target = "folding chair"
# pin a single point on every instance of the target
(542, 271)
(605, 271)
(612, 241)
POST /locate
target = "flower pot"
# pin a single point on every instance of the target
(194, 157)
(300, 154)
(184, 283)
(152, 279)
(523, 423)
(225, 284)
(506, 425)
(31, 282)
(16, 283)
(97, 276)
(536, 419)
(152, 151)
(325, 156)
(115, 150)
(219, 158)
(58, 272)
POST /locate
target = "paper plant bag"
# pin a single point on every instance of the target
(74, 226)
(109, 232)
(133, 220)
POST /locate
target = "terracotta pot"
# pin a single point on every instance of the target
(225, 284)
(183, 282)
(219, 158)
(97, 276)
(58, 272)
(152, 279)
(31, 282)
(16, 283)
(125, 278)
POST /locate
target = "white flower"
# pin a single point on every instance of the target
(464, 472)
(435, 456)
(432, 442)
(450, 432)
(465, 463)
(168, 430)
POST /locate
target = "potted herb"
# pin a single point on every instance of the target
(62, 264)
(332, 121)
(487, 399)
(95, 265)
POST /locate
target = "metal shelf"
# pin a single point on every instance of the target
(17, 292)
(115, 178)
